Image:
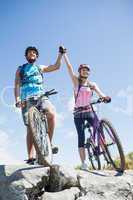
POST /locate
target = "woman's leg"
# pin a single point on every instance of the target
(90, 117)
(79, 123)
(82, 154)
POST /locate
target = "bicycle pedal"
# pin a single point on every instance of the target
(55, 150)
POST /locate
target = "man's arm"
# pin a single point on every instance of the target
(54, 67)
(70, 70)
(17, 88)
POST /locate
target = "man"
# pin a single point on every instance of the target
(29, 83)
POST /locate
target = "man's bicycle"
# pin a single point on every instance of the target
(39, 129)
(103, 141)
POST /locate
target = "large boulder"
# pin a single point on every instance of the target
(67, 194)
(62, 178)
(108, 185)
(22, 182)
(63, 183)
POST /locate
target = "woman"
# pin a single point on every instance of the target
(83, 90)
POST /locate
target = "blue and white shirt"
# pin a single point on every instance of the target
(31, 80)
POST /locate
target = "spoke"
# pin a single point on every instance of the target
(113, 152)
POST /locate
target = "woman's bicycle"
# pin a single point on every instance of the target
(103, 141)
(39, 128)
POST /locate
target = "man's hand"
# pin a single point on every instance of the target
(62, 50)
(18, 104)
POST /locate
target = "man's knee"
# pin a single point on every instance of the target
(50, 115)
(29, 131)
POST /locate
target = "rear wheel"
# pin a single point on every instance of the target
(112, 144)
(41, 140)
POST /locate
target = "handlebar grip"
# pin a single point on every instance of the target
(102, 100)
(107, 100)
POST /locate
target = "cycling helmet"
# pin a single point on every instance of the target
(84, 66)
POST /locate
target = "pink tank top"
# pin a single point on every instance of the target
(84, 97)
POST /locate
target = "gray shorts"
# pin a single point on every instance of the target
(43, 104)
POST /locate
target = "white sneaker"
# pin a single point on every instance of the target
(84, 166)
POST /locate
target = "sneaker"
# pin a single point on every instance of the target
(84, 166)
(31, 161)
(54, 149)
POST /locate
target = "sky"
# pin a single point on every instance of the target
(98, 33)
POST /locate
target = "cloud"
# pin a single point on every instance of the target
(17, 111)
(70, 135)
(2, 120)
(70, 104)
(126, 107)
(60, 118)
(5, 154)
(4, 139)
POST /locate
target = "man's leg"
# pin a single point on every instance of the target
(51, 123)
(30, 145)
(29, 138)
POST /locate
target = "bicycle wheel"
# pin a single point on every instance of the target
(93, 156)
(40, 137)
(113, 146)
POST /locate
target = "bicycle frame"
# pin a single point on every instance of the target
(43, 111)
(96, 135)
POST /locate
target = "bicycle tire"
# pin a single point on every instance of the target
(119, 166)
(40, 137)
(93, 156)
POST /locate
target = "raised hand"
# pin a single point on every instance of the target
(62, 50)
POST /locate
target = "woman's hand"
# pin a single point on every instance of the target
(106, 99)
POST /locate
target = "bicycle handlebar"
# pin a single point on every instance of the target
(50, 92)
(101, 100)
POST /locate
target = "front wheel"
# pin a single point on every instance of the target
(112, 144)
(93, 156)
(41, 140)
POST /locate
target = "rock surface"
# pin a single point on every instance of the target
(63, 183)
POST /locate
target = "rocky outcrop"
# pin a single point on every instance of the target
(61, 183)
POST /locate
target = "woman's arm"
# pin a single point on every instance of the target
(98, 91)
(70, 70)
(105, 99)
